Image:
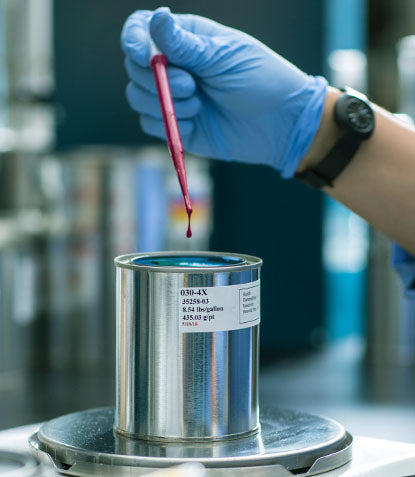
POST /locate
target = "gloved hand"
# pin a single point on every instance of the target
(235, 99)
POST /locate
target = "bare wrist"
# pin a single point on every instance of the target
(326, 135)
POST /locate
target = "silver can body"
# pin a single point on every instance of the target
(181, 384)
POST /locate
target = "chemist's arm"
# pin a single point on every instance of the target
(237, 100)
(379, 182)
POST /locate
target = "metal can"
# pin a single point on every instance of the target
(187, 336)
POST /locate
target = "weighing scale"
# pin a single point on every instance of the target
(288, 443)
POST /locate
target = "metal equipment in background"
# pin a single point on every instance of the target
(83, 195)
(26, 133)
(23, 331)
(406, 75)
(63, 216)
(103, 202)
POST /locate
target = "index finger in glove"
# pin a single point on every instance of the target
(134, 37)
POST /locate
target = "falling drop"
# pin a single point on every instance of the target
(189, 229)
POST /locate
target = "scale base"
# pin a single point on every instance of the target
(288, 443)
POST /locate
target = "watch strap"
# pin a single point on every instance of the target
(324, 173)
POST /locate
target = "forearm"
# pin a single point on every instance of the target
(379, 182)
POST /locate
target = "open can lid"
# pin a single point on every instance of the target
(188, 262)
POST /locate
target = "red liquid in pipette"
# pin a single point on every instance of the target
(158, 64)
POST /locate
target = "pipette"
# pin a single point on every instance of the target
(158, 63)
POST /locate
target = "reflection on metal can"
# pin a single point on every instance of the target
(187, 345)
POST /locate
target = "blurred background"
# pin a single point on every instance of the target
(77, 176)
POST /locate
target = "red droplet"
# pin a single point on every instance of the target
(189, 229)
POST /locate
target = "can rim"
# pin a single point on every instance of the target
(126, 261)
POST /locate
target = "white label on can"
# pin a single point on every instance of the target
(208, 309)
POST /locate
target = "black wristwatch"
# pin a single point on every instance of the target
(356, 120)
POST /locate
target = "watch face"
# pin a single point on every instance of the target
(355, 115)
(360, 115)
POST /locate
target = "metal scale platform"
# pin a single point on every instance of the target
(289, 443)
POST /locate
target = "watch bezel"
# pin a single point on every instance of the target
(343, 115)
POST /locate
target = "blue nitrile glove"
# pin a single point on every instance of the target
(235, 98)
(404, 264)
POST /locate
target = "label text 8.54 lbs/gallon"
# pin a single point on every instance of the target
(223, 308)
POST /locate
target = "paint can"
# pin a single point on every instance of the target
(187, 334)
